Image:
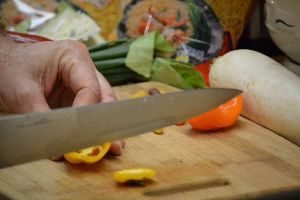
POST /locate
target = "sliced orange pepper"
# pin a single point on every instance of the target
(221, 117)
(88, 155)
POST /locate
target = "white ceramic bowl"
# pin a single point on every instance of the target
(282, 18)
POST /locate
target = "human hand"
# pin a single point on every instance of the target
(37, 77)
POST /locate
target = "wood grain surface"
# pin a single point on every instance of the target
(241, 162)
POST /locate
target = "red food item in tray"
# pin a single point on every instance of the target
(23, 37)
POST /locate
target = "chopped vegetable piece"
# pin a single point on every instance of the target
(153, 91)
(139, 94)
(88, 155)
(180, 123)
(221, 117)
(159, 131)
(135, 174)
(182, 58)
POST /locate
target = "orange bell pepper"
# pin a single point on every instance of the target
(221, 117)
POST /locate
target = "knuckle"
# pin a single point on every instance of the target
(74, 53)
(75, 46)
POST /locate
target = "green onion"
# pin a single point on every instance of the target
(110, 53)
(119, 79)
(108, 64)
(118, 70)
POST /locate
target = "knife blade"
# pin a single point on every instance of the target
(34, 136)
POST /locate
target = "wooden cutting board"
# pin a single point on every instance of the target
(241, 162)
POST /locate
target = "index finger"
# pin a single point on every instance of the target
(77, 71)
(107, 93)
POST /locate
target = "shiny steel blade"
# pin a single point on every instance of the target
(34, 136)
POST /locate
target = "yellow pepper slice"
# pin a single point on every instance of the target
(158, 131)
(134, 174)
(139, 94)
(88, 155)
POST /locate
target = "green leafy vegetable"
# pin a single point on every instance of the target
(189, 74)
(181, 75)
(163, 72)
(142, 50)
(162, 45)
(140, 55)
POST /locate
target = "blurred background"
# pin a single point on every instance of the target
(200, 30)
(244, 20)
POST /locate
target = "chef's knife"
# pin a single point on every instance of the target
(33, 136)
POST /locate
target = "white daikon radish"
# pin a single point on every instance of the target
(271, 92)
